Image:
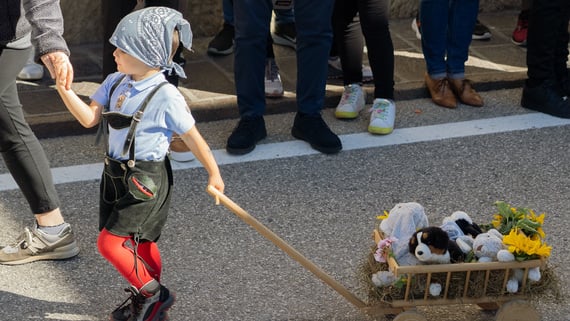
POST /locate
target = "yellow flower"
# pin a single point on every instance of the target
(525, 247)
(383, 217)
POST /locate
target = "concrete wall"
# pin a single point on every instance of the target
(83, 18)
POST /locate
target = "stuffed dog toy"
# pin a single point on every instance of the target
(433, 245)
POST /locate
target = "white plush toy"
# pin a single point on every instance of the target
(489, 247)
(402, 222)
(383, 278)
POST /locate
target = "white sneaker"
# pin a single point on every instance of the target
(32, 70)
(273, 84)
(351, 103)
(382, 116)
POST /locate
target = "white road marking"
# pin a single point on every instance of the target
(87, 172)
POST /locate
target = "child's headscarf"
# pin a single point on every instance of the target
(146, 34)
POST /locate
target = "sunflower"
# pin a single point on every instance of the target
(526, 247)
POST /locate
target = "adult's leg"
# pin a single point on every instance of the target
(346, 26)
(314, 38)
(21, 150)
(544, 34)
(461, 22)
(434, 15)
(252, 19)
(374, 21)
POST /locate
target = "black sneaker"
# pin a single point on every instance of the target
(546, 98)
(285, 34)
(314, 130)
(35, 245)
(247, 133)
(481, 32)
(223, 42)
(140, 308)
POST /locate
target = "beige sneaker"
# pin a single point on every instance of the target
(35, 245)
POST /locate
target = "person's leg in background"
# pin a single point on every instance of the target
(314, 39)
(273, 83)
(349, 45)
(521, 30)
(548, 29)
(52, 238)
(462, 19)
(434, 17)
(374, 21)
(284, 31)
(252, 25)
(223, 42)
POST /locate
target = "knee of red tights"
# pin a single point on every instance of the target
(107, 241)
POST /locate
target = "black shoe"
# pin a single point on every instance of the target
(285, 34)
(223, 42)
(481, 32)
(246, 134)
(546, 98)
(314, 130)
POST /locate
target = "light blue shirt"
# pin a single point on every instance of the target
(165, 114)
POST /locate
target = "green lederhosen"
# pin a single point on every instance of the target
(134, 194)
(135, 201)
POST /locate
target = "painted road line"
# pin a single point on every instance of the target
(87, 172)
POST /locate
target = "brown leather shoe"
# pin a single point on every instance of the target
(465, 92)
(440, 92)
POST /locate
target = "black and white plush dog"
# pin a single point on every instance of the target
(433, 245)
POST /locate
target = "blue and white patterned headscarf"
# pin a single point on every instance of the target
(146, 34)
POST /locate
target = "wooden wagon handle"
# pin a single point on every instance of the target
(267, 233)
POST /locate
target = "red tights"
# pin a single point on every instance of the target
(117, 251)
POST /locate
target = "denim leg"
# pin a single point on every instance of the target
(433, 17)
(21, 150)
(462, 18)
(314, 38)
(252, 18)
(228, 11)
(284, 16)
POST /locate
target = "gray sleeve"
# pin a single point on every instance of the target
(46, 20)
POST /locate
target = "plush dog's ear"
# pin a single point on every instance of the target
(469, 228)
(436, 237)
(413, 243)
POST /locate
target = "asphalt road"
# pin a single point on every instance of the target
(324, 206)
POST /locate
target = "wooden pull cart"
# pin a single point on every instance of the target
(511, 307)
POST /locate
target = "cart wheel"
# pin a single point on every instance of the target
(517, 310)
(410, 316)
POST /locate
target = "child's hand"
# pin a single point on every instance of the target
(217, 182)
(59, 67)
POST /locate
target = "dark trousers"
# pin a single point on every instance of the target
(547, 40)
(370, 16)
(314, 36)
(21, 150)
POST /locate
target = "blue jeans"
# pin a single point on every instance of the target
(447, 28)
(281, 16)
(314, 37)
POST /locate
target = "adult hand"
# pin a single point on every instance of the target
(59, 67)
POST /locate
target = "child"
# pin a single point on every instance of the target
(140, 111)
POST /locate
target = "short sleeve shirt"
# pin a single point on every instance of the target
(165, 114)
